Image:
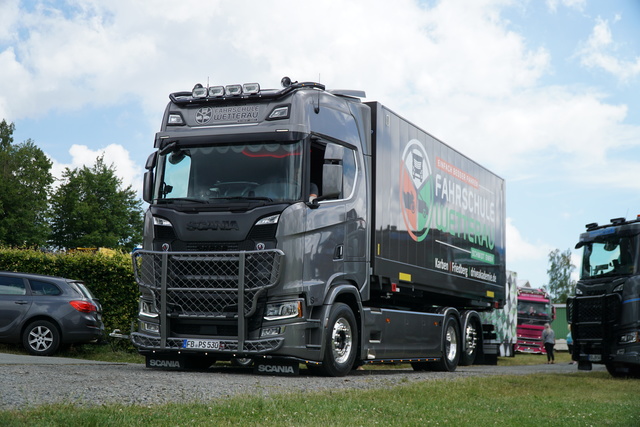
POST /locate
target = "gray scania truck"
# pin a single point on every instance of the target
(303, 226)
(605, 312)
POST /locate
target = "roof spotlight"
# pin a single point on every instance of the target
(199, 91)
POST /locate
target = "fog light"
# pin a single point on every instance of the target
(272, 331)
(150, 327)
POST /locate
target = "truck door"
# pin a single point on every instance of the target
(325, 222)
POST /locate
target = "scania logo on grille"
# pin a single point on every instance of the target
(203, 115)
(212, 225)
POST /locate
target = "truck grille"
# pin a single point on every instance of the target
(592, 316)
(207, 284)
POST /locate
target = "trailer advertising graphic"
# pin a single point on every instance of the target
(437, 195)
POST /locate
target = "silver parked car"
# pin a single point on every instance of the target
(44, 312)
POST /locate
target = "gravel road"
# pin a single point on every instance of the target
(28, 381)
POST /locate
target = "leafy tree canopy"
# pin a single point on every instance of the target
(561, 285)
(25, 182)
(90, 209)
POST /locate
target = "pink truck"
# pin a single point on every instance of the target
(534, 310)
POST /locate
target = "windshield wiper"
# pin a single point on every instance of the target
(182, 199)
(241, 198)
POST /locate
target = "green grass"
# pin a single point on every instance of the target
(113, 351)
(576, 399)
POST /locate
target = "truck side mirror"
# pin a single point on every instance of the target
(147, 187)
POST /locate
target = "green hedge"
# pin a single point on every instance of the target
(109, 277)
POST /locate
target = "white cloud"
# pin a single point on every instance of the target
(114, 155)
(522, 250)
(600, 52)
(456, 68)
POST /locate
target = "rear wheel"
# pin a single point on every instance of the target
(450, 346)
(41, 338)
(340, 342)
(472, 334)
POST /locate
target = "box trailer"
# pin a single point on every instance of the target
(302, 225)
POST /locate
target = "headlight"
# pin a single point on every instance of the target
(283, 310)
(629, 337)
(578, 291)
(162, 222)
(619, 288)
(273, 219)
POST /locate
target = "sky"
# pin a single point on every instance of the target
(543, 93)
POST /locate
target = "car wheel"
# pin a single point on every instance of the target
(41, 338)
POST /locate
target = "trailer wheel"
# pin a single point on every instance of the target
(472, 342)
(340, 342)
(450, 346)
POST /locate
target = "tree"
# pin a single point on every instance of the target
(25, 185)
(560, 268)
(90, 209)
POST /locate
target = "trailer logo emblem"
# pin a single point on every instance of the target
(203, 115)
(416, 190)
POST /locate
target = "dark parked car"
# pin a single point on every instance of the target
(44, 312)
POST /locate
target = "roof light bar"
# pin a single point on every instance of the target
(199, 91)
(216, 91)
(233, 90)
(251, 88)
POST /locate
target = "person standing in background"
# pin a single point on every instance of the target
(570, 345)
(549, 341)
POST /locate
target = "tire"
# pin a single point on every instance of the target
(41, 338)
(622, 371)
(242, 362)
(451, 346)
(472, 343)
(341, 338)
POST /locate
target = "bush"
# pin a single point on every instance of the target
(109, 277)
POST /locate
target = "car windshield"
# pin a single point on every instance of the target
(268, 172)
(614, 255)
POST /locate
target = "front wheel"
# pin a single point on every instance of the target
(450, 346)
(341, 338)
(41, 338)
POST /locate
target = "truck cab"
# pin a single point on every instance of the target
(605, 312)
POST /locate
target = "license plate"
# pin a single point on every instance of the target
(201, 344)
(595, 358)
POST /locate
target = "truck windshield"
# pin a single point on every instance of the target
(270, 172)
(533, 310)
(612, 256)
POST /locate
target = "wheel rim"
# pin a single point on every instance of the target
(451, 343)
(471, 338)
(40, 338)
(341, 340)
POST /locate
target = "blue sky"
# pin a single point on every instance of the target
(543, 93)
